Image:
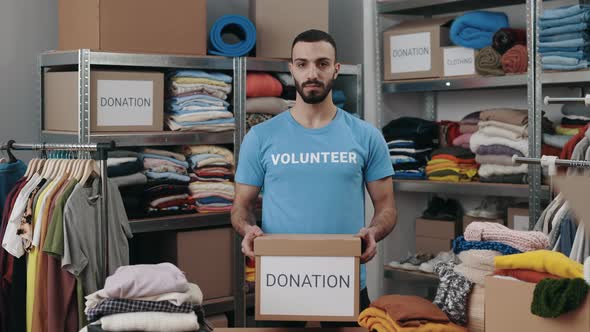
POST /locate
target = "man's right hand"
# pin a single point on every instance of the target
(251, 233)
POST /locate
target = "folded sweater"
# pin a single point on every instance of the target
(518, 117)
(521, 240)
(478, 139)
(551, 262)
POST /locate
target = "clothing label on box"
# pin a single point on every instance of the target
(459, 61)
(521, 223)
(410, 53)
(307, 286)
(124, 103)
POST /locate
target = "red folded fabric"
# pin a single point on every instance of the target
(549, 150)
(515, 60)
(263, 85)
(568, 149)
(526, 275)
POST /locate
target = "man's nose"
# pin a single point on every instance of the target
(312, 73)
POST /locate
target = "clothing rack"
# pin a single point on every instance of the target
(558, 162)
(554, 100)
(102, 149)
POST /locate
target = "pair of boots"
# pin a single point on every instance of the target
(443, 209)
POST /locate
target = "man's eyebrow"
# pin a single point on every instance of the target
(315, 60)
(300, 59)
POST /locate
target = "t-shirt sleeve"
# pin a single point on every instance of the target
(250, 168)
(378, 162)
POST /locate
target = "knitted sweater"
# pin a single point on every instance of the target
(521, 240)
(460, 244)
(547, 261)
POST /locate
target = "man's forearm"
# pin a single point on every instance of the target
(241, 218)
(383, 222)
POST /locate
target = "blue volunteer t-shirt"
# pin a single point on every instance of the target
(313, 179)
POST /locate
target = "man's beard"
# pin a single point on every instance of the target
(314, 97)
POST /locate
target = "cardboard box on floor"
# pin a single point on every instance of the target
(434, 236)
(119, 101)
(137, 26)
(508, 302)
(413, 49)
(279, 22)
(307, 277)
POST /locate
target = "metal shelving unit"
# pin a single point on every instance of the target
(466, 188)
(438, 7)
(83, 61)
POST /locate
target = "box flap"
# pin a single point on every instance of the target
(422, 24)
(335, 245)
(574, 189)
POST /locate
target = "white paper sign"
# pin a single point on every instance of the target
(521, 223)
(459, 61)
(307, 286)
(124, 103)
(410, 53)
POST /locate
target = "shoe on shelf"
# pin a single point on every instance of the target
(435, 205)
(444, 256)
(476, 212)
(411, 262)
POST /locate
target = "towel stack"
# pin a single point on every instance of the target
(166, 192)
(410, 141)
(211, 186)
(197, 101)
(502, 133)
(452, 164)
(564, 38)
(125, 169)
(146, 298)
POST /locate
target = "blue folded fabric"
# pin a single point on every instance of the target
(563, 49)
(559, 30)
(195, 159)
(168, 175)
(580, 17)
(237, 25)
(172, 160)
(213, 200)
(192, 73)
(186, 112)
(579, 42)
(566, 36)
(409, 176)
(209, 122)
(476, 29)
(561, 60)
(566, 67)
(574, 55)
(401, 145)
(564, 11)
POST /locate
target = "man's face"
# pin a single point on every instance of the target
(314, 70)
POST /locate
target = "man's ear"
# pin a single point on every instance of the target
(291, 67)
(337, 66)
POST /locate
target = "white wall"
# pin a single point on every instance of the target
(27, 27)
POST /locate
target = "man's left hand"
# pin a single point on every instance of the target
(368, 238)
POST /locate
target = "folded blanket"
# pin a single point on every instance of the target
(582, 65)
(460, 244)
(375, 319)
(520, 130)
(488, 62)
(151, 322)
(563, 61)
(476, 29)
(517, 117)
(553, 298)
(119, 306)
(515, 60)
(526, 275)
(478, 140)
(564, 29)
(178, 90)
(267, 105)
(506, 38)
(493, 131)
(210, 149)
(410, 311)
(551, 262)
(262, 85)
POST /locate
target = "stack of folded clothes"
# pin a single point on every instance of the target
(125, 170)
(502, 133)
(448, 132)
(146, 298)
(575, 117)
(260, 109)
(410, 141)
(197, 101)
(211, 185)
(166, 192)
(452, 164)
(264, 96)
(467, 127)
(565, 38)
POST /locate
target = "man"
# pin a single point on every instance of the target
(314, 161)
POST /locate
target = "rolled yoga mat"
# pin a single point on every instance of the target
(488, 62)
(237, 25)
(515, 60)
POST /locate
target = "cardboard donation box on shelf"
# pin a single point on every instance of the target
(120, 101)
(434, 236)
(135, 26)
(508, 302)
(413, 49)
(307, 277)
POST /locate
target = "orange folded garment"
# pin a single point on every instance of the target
(515, 60)
(263, 85)
(410, 311)
(526, 275)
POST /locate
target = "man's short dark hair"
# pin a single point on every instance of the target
(312, 36)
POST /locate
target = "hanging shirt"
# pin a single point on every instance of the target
(9, 174)
(314, 179)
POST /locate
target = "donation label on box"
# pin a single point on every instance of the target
(124, 103)
(410, 53)
(329, 281)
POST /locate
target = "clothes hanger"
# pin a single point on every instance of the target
(89, 169)
(11, 157)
